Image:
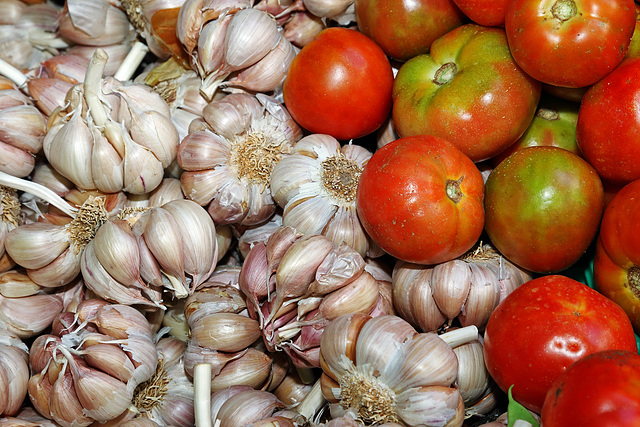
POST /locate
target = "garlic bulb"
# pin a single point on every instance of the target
(467, 289)
(228, 38)
(316, 187)
(94, 23)
(14, 373)
(22, 131)
(136, 254)
(238, 406)
(89, 370)
(383, 371)
(112, 136)
(296, 284)
(228, 167)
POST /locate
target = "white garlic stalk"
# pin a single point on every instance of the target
(14, 373)
(228, 168)
(466, 289)
(382, 370)
(22, 131)
(316, 187)
(28, 33)
(296, 284)
(89, 370)
(227, 38)
(94, 23)
(114, 136)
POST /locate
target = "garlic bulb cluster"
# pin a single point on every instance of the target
(233, 44)
(381, 370)
(138, 253)
(296, 284)
(228, 163)
(111, 136)
(316, 187)
(14, 373)
(467, 289)
(87, 369)
(223, 335)
(28, 33)
(22, 131)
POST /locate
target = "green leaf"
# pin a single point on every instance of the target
(516, 411)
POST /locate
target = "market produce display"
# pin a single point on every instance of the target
(301, 213)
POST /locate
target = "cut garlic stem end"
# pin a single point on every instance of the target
(131, 62)
(457, 337)
(13, 74)
(202, 394)
(312, 402)
(37, 190)
(93, 85)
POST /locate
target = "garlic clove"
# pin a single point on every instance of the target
(39, 391)
(21, 164)
(110, 359)
(302, 28)
(106, 164)
(434, 405)
(121, 321)
(64, 406)
(23, 127)
(231, 116)
(210, 46)
(246, 407)
(143, 172)
(94, 23)
(14, 284)
(115, 247)
(450, 282)
(484, 295)
(252, 368)
(189, 23)
(58, 272)
(339, 338)
(36, 244)
(155, 131)
(359, 296)
(227, 332)
(30, 315)
(473, 377)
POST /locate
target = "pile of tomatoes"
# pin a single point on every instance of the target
(514, 122)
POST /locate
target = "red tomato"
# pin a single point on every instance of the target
(420, 199)
(602, 389)
(339, 84)
(616, 266)
(484, 12)
(543, 206)
(544, 326)
(571, 43)
(608, 129)
(406, 28)
(468, 90)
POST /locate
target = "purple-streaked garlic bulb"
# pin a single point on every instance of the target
(296, 284)
(228, 163)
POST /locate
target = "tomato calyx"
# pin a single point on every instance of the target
(633, 276)
(445, 73)
(563, 10)
(453, 190)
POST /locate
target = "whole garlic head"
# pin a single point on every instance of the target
(316, 186)
(382, 370)
(228, 164)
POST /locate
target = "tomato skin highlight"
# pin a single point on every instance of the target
(404, 204)
(544, 326)
(339, 84)
(602, 389)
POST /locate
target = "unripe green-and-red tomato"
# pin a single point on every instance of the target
(468, 90)
(543, 206)
(406, 28)
(420, 199)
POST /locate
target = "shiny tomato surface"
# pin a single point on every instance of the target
(420, 199)
(544, 326)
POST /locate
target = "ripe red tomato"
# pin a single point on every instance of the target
(544, 326)
(339, 84)
(420, 199)
(484, 12)
(602, 389)
(616, 266)
(543, 206)
(406, 28)
(608, 129)
(468, 90)
(571, 43)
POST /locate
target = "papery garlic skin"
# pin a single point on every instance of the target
(383, 371)
(316, 187)
(228, 168)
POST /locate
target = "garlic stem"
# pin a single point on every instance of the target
(202, 394)
(37, 190)
(312, 402)
(460, 336)
(131, 62)
(13, 74)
